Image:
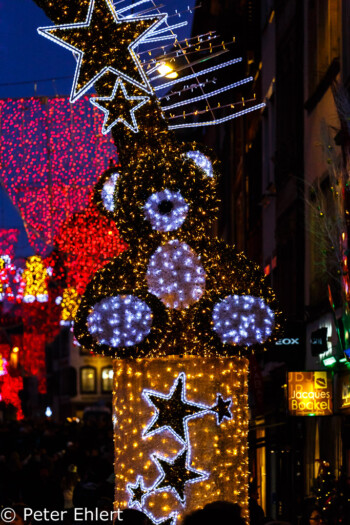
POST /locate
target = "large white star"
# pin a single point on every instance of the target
(104, 43)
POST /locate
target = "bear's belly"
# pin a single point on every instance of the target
(175, 275)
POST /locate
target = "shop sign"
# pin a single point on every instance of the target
(345, 392)
(310, 393)
(288, 341)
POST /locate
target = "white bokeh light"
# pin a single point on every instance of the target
(123, 320)
(175, 275)
(166, 210)
(243, 320)
(107, 193)
(202, 161)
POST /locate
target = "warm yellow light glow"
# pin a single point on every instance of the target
(220, 450)
(70, 304)
(35, 277)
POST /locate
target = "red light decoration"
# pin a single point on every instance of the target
(51, 155)
(86, 243)
(8, 241)
(33, 359)
(10, 387)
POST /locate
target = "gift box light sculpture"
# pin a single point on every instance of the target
(178, 311)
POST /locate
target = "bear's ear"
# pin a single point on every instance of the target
(106, 191)
(202, 157)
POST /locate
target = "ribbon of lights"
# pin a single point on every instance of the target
(208, 95)
(195, 75)
(219, 120)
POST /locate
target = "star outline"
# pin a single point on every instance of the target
(78, 54)
(226, 404)
(205, 410)
(169, 488)
(134, 127)
(139, 484)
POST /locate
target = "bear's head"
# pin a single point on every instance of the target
(161, 193)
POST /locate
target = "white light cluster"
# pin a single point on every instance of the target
(123, 320)
(243, 320)
(41, 298)
(107, 193)
(175, 275)
(172, 216)
(202, 161)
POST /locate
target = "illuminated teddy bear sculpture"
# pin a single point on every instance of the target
(175, 291)
(178, 309)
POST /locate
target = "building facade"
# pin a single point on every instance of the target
(286, 205)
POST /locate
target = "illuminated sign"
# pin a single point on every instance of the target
(310, 393)
(293, 337)
(345, 392)
(288, 341)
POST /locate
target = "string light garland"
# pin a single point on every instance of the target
(208, 95)
(180, 380)
(219, 120)
(85, 243)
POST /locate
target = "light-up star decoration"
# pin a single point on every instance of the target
(172, 413)
(176, 473)
(172, 410)
(97, 54)
(222, 409)
(137, 491)
(119, 107)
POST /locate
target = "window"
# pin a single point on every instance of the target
(107, 379)
(88, 380)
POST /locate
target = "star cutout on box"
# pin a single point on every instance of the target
(222, 409)
(176, 473)
(172, 410)
(137, 491)
(104, 43)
